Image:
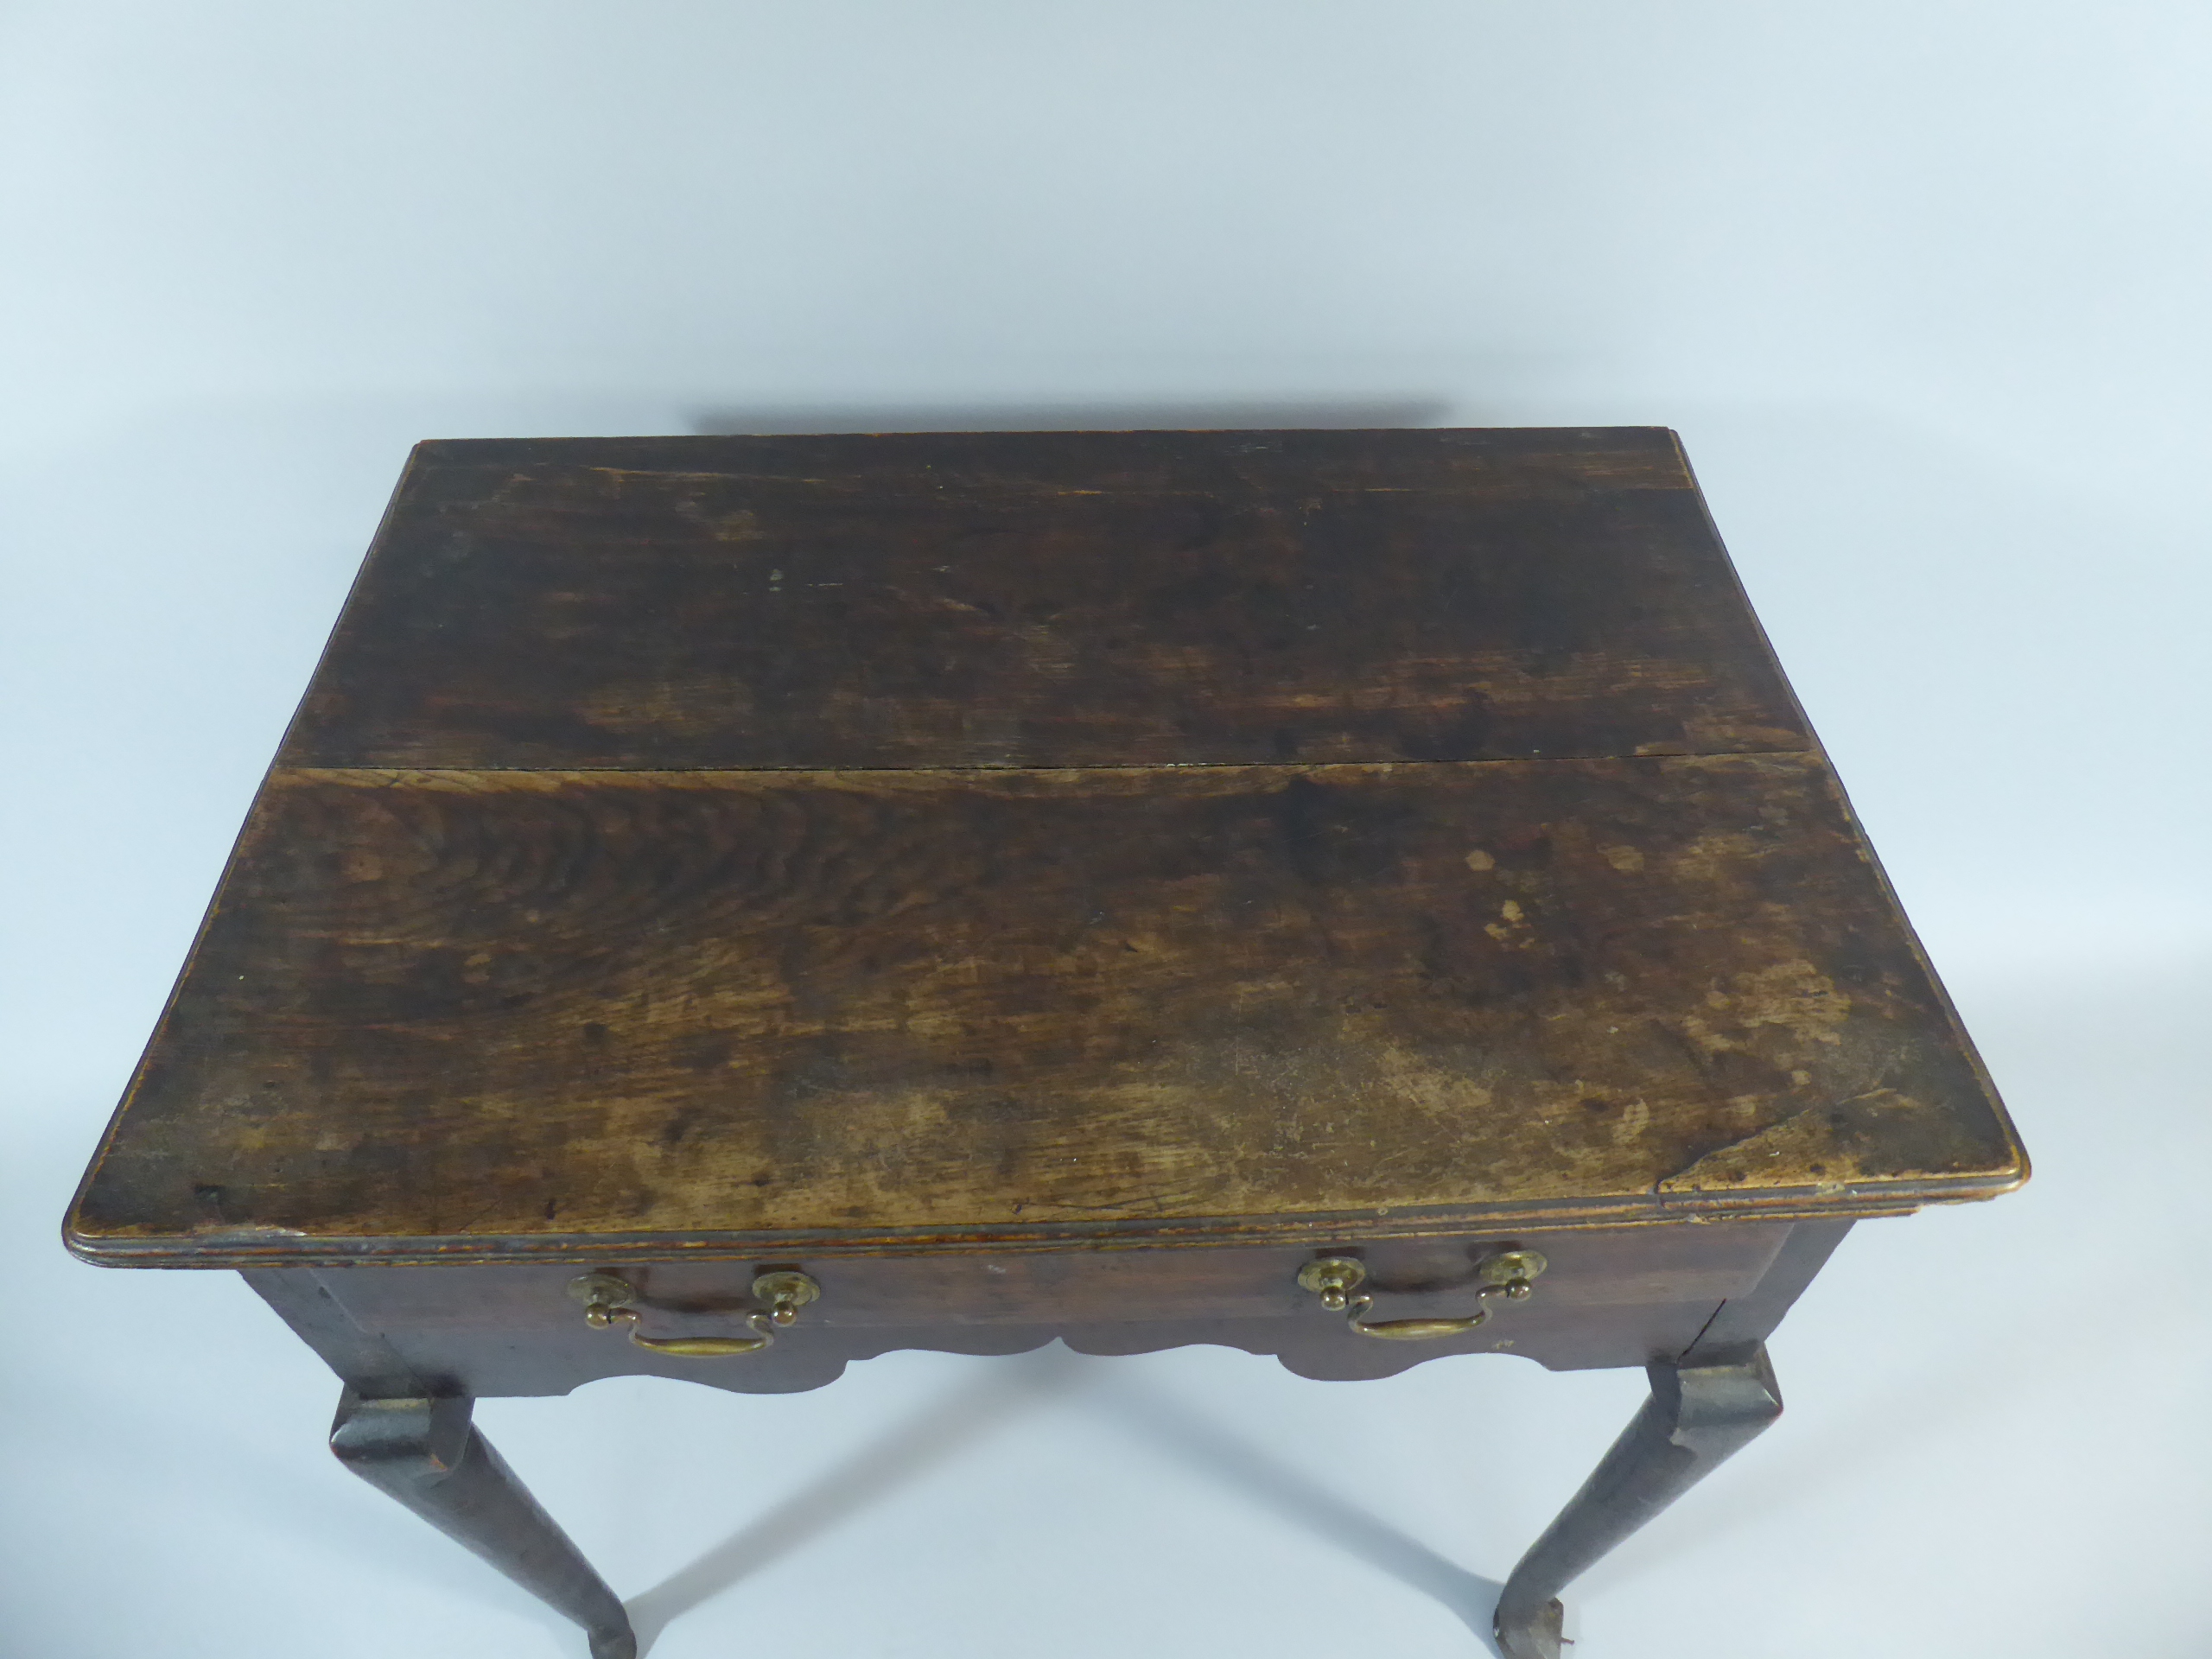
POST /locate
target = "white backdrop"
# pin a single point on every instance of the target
(1923, 286)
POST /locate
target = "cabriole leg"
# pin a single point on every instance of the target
(427, 1454)
(1697, 1416)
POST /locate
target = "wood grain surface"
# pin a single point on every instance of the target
(1045, 599)
(1012, 840)
(474, 1010)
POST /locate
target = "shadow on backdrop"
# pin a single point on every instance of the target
(969, 1415)
(1208, 1448)
(1167, 416)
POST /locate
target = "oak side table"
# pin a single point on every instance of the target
(731, 906)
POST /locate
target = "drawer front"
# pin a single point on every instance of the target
(1612, 1297)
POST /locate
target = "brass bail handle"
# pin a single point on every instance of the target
(610, 1300)
(1506, 1275)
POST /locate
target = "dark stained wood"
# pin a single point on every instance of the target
(1043, 887)
(1751, 1316)
(357, 1352)
(1613, 1297)
(1699, 1415)
(438, 1013)
(1045, 599)
(1609, 1297)
(425, 1451)
(436, 1337)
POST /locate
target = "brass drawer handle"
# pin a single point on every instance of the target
(610, 1299)
(1337, 1280)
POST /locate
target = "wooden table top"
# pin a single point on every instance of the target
(693, 846)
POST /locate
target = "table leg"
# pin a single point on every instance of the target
(428, 1454)
(1697, 1416)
